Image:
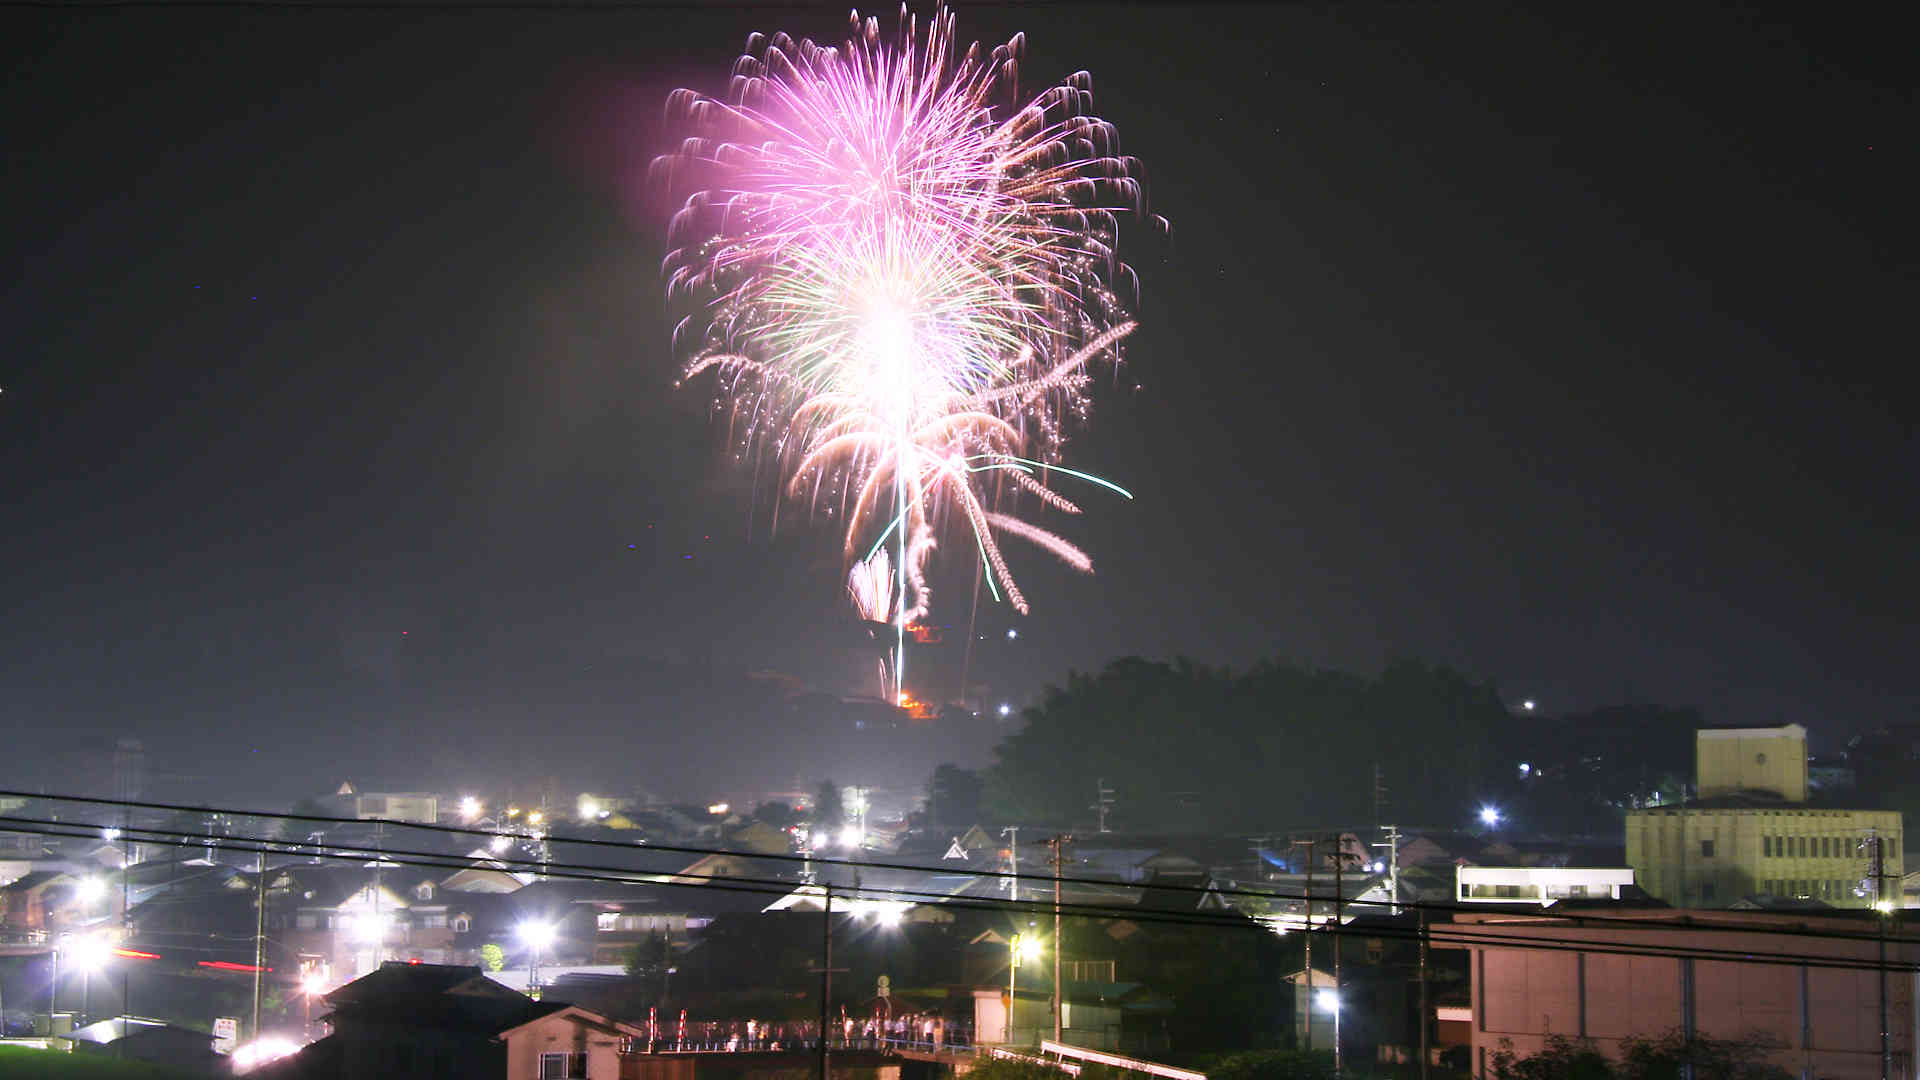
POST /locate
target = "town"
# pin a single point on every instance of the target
(467, 931)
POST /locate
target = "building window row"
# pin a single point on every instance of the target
(1818, 847)
(1812, 888)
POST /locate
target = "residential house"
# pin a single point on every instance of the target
(449, 1022)
(39, 903)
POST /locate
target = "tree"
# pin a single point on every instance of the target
(953, 797)
(1664, 1057)
(650, 956)
(828, 812)
(1194, 748)
(493, 956)
(779, 815)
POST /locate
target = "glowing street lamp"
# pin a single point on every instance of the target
(536, 936)
(312, 984)
(1489, 816)
(852, 837)
(1006, 709)
(469, 808)
(1020, 948)
(92, 890)
(90, 953)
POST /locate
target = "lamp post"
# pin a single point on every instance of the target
(537, 935)
(1019, 950)
(311, 984)
(91, 954)
(1013, 971)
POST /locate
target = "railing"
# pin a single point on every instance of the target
(755, 1037)
(1117, 1061)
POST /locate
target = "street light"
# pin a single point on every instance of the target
(1020, 948)
(91, 954)
(537, 936)
(1327, 1001)
(1489, 816)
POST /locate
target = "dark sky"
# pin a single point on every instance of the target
(337, 434)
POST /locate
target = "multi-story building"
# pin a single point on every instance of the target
(1818, 989)
(1752, 831)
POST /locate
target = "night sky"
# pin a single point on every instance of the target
(337, 435)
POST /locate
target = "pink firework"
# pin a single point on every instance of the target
(898, 272)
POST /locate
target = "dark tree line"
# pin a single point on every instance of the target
(1189, 746)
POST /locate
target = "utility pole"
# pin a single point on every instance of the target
(826, 972)
(1425, 1022)
(1103, 801)
(1883, 912)
(1307, 939)
(1339, 896)
(1057, 842)
(1393, 867)
(259, 932)
(1012, 884)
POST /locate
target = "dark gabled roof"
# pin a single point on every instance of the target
(34, 879)
(397, 978)
(450, 997)
(445, 1012)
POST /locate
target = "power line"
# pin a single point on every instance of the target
(1454, 935)
(1196, 890)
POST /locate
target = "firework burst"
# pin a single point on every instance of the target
(898, 273)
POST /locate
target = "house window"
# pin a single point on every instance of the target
(307, 922)
(1766, 847)
(1706, 849)
(436, 921)
(462, 924)
(424, 891)
(607, 921)
(563, 1066)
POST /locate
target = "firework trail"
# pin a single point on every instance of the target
(899, 272)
